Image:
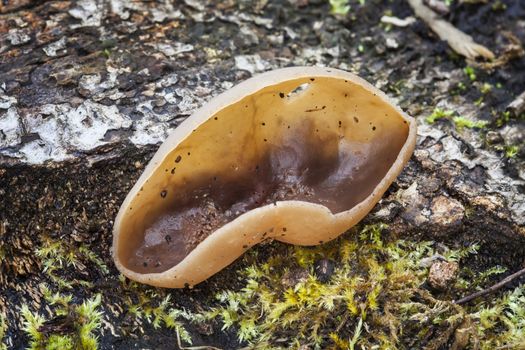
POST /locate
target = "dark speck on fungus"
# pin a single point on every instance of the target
(218, 203)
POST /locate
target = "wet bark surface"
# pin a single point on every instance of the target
(89, 89)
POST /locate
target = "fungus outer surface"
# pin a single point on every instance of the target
(297, 154)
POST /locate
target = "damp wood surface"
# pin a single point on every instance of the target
(89, 89)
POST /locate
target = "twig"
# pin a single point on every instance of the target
(460, 42)
(512, 50)
(398, 22)
(491, 289)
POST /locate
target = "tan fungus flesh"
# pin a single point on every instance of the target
(297, 154)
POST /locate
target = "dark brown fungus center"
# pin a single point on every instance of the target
(268, 147)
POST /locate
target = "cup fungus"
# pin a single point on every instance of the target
(296, 154)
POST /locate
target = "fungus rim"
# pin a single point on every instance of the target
(344, 219)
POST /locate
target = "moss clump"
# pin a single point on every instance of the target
(470, 72)
(459, 121)
(511, 151)
(72, 326)
(500, 324)
(376, 296)
(59, 257)
(155, 307)
(437, 114)
(339, 7)
(462, 122)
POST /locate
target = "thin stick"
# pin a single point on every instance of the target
(491, 289)
(460, 42)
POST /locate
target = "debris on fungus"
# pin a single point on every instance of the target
(298, 154)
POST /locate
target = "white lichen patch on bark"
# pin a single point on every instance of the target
(251, 63)
(441, 147)
(52, 49)
(10, 129)
(60, 131)
(89, 12)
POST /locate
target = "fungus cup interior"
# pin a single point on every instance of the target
(317, 139)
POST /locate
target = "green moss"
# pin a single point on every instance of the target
(485, 88)
(59, 257)
(88, 322)
(499, 5)
(500, 324)
(461, 87)
(154, 306)
(107, 53)
(396, 88)
(462, 122)
(502, 118)
(470, 72)
(70, 326)
(339, 7)
(375, 298)
(459, 122)
(268, 313)
(437, 114)
(511, 151)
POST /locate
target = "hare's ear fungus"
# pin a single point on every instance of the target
(297, 154)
